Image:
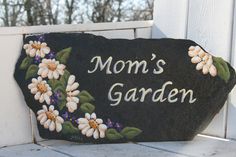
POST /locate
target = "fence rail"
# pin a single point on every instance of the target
(75, 27)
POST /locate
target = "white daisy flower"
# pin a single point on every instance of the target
(72, 93)
(51, 68)
(36, 48)
(50, 118)
(203, 60)
(41, 89)
(92, 126)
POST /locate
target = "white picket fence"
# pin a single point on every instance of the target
(208, 22)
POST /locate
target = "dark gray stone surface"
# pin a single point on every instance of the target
(156, 119)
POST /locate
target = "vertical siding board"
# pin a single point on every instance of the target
(35, 131)
(231, 119)
(14, 114)
(144, 33)
(170, 19)
(231, 125)
(209, 24)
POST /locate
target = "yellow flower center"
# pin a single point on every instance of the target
(51, 116)
(93, 124)
(42, 88)
(36, 46)
(52, 66)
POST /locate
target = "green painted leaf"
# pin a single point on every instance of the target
(52, 83)
(84, 97)
(68, 128)
(62, 104)
(55, 83)
(59, 88)
(59, 84)
(64, 78)
(222, 68)
(87, 108)
(63, 55)
(130, 132)
(26, 63)
(112, 134)
(31, 71)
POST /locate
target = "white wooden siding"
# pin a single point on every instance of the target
(231, 120)
(170, 19)
(143, 33)
(15, 127)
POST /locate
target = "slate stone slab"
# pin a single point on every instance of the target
(87, 88)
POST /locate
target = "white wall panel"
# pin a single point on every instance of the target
(15, 125)
(231, 119)
(143, 33)
(170, 18)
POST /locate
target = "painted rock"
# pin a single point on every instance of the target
(87, 88)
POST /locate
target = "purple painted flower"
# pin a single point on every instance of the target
(114, 125)
(73, 119)
(118, 127)
(77, 121)
(109, 123)
(56, 97)
(53, 101)
(65, 115)
(37, 59)
(51, 55)
(69, 117)
(41, 38)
